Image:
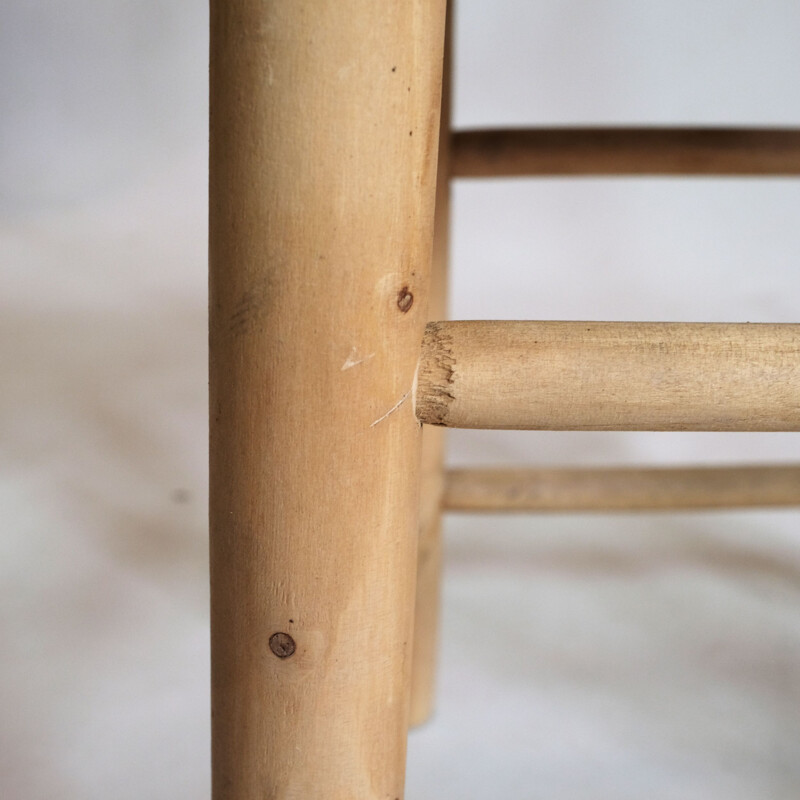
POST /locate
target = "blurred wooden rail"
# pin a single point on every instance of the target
(625, 151)
(621, 489)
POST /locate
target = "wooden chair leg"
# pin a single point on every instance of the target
(324, 128)
(429, 570)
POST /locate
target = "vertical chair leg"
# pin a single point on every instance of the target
(324, 127)
(429, 568)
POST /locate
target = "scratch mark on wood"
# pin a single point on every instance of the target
(353, 359)
(392, 409)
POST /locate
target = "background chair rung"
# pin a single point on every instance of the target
(625, 151)
(621, 489)
(610, 376)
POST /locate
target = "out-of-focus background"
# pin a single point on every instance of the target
(636, 656)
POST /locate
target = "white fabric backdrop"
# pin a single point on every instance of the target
(582, 656)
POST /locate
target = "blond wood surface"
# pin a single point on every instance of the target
(625, 151)
(621, 489)
(429, 571)
(324, 134)
(610, 376)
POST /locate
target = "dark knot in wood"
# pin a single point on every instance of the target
(281, 644)
(405, 299)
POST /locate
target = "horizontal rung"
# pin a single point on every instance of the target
(610, 376)
(625, 151)
(619, 489)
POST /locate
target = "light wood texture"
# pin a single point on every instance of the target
(610, 376)
(625, 151)
(621, 489)
(429, 570)
(324, 134)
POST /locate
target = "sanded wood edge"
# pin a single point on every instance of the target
(621, 489)
(625, 151)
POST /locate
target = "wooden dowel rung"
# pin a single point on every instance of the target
(625, 151)
(610, 376)
(621, 489)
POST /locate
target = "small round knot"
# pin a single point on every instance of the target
(405, 299)
(281, 644)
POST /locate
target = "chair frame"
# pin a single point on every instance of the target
(328, 239)
(323, 158)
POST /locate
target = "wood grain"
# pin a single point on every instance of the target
(324, 135)
(610, 376)
(429, 570)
